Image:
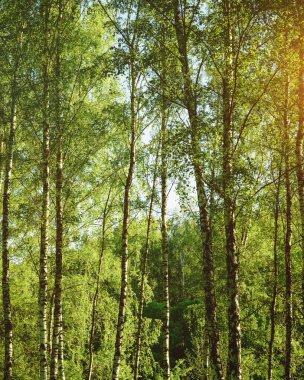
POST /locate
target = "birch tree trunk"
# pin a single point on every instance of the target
(50, 324)
(234, 369)
(206, 232)
(275, 282)
(143, 276)
(165, 246)
(288, 235)
(57, 344)
(43, 278)
(2, 140)
(205, 356)
(125, 232)
(164, 230)
(6, 295)
(57, 368)
(300, 132)
(57, 362)
(96, 294)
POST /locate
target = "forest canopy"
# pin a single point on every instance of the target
(152, 189)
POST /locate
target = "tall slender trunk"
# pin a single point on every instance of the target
(165, 246)
(205, 355)
(50, 324)
(57, 363)
(206, 231)
(43, 278)
(125, 232)
(182, 273)
(2, 139)
(144, 275)
(300, 132)
(57, 343)
(234, 369)
(164, 230)
(61, 371)
(275, 282)
(6, 296)
(288, 234)
(96, 294)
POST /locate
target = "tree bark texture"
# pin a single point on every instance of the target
(43, 276)
(164, 229)
(2, 145)
(138, 338)
(275, 281)
(234, 368)
(300, 131)
(190, 100)
(6, 295)
(57, 360)
(96, 294)
(125, 233)
(288, 235)
(165, 246)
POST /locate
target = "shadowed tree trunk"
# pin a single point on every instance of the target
(206, 232)
(57, 344)
(125, 230)
(43, 279)
(2, 139)
(57, 362)
(300, 132)
(6, 295)
(164, 230)
(165, 246)
(96, 294)
(50, 324)
(234, 369)
(275, 281)
(143, 276)
(288, 234)
(61, 371)
(205, 356)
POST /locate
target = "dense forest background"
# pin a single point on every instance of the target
(152, 186)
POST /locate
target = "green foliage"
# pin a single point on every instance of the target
(97, 48)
